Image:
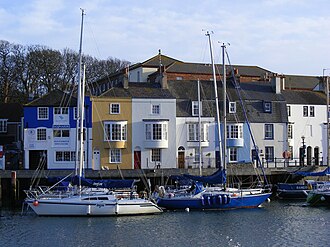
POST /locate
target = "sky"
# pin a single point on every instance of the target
(283, 36)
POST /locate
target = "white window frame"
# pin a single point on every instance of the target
(288, 108)
(269, 156)
(3, 125)
(312, 111)
(43, 113)
(232, 107)
(155, 109)
(193, 130)
(267, 106)
(114, 155)
(195, 108)
(156, 131)
(290, 131)
(305, 111)
(39, 134)
(269, 131)
(114, 108)
(233, 154)
(121, 131)
(75, 113)
(156, 155)
(235, 131)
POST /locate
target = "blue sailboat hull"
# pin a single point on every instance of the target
(215, 202)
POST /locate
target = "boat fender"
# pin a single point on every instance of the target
(214, 199)
(209, 200)
(35, 203)
(228, 199)
(203, 201)
(220, 199)
(224, 199)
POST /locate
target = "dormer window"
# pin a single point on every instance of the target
(3, 125)
(232, 107)
(195, 109)
(268, 106)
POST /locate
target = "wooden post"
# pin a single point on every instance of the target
(13, 187)
(0, 193)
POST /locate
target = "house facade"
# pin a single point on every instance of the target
(50, 132)
(112, 130)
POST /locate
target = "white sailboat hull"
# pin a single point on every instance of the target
(83, 206)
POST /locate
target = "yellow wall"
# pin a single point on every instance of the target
(101, 113)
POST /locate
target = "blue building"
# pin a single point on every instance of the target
(50, 132)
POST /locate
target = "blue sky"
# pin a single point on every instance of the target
(284, 36)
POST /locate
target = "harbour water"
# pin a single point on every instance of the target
(277, 223)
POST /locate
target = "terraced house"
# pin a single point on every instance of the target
(147, 116)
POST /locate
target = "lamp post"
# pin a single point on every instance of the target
(303, 151)
(327, 108)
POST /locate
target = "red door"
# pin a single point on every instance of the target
(137, 159)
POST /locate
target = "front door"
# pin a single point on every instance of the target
(96, 159)
(181, 160)
(137, 159)
(37, 159)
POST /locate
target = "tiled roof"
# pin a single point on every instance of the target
(304, 97)
(139, 90)
(55, 98)
(253, 100)
(200, 68)
(301, 82)
(11, 111)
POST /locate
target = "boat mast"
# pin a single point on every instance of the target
(199, 128)
(216, 99)
(80, 106)
(224, 80)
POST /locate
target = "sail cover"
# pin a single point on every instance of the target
(104, 183)
(314, 174)
(219, 177)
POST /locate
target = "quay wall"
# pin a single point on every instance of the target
(13, 183)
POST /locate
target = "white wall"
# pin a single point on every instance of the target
(141, 109)
(312, 128)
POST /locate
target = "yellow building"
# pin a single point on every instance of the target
(112, 130)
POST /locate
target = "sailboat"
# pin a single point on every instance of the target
(86, 197)
(301, 190)
(199, 197)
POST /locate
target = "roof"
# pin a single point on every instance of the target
(55, 98)
(202, 68)
(301, 82)
(11, 111)
(304, 97)
(139, 90)
(155, 61)
(253, 101)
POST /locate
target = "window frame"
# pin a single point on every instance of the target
(39, 134)
(116, 129)
(3, 125)
(305, 111)
(269, 156)
(155, 109)
(115, 156)
(156, 155)
(42, 115)
(269, 133)
(232, 107)
(114, 108)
